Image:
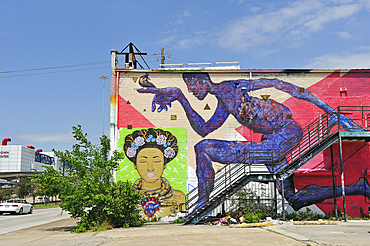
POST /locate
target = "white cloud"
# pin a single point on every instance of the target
(238, 1)
(167, 41)
(325, 15)
(344, 35)
(367, 2)
(47, 138)
(254, 9)
(335, 61)
(187, 13)
(291, 23)
(188, 43)
(364, 47)
(180, 20)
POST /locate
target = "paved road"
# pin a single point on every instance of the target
(10, 222)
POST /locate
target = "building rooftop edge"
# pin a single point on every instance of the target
(242, 70)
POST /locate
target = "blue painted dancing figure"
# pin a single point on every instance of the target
(272, 119)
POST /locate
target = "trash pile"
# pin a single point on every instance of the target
(233, 223)
(223, 221)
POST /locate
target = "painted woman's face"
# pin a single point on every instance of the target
(150, 164)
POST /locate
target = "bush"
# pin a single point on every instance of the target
(178, 220)
(253, 217)
(152, 219)
(241, 202)
(301, 215)
(363, 215)
(88, 191)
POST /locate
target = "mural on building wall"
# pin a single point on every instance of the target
(155, 163)
(273, 120)
(350, 88)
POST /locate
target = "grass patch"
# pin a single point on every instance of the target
(152, 219)
(102, 227)
(47, 205)
(178, 220)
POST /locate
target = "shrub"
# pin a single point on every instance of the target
(88, 191)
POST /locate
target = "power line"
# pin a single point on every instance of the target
(57, 67)
(175, 57)
(190, 58)
(74, 70)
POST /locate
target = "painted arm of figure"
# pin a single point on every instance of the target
(164, 98)
(346, 122)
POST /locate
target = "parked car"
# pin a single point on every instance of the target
(16, 206)
(42, 199)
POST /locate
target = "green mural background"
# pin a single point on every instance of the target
(176, 171)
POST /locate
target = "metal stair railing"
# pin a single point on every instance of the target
(232, 170)
(225, 180)
(319, 133)
(312, 135)
(282, 162)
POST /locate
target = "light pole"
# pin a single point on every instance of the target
(103, 77)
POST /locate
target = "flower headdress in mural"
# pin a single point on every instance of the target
(166, 142)
(151, 138)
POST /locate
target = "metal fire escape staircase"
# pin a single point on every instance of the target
(252, 167)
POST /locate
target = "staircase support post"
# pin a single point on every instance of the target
(342, 178)
(275, 198)
(341, 167)
(334, 185)
(282, 200)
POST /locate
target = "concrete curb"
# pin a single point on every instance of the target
(292, 235)
(314, 223)
(245, 225)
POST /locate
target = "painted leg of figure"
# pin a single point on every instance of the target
(312, 194)
(208, 151)
(211, 150)
(205, 173)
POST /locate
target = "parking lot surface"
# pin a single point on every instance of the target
(161, 233)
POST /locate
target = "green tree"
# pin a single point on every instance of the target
(24, 187)
(48, 182)
(6, 193)
(88, 190)
(36, 191)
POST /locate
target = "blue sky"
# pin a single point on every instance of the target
(53, 52)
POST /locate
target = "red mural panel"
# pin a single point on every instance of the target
(128, 115)
(352, 89)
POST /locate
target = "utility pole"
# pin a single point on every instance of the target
(162, 57)
(103, 77)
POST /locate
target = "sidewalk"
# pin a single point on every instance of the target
(160, 233)
(354, 232)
